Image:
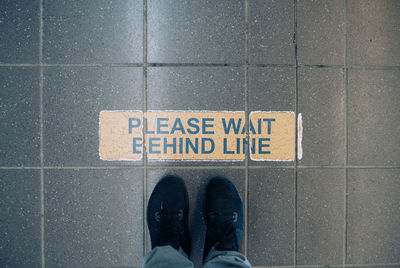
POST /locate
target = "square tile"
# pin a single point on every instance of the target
(189, 31)
(19, 27)
(271, 216)
(196, 88)
(373, 216)
(320, 29)
(271, 32)
(320, 208)
(373, 117)
(20, 224)
(19, 116)
(272, 89)
(99, 31)
(196, 182)
(373, 32)
(93, 218)
(73, 99)
(321, 103)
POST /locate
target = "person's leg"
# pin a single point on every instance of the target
(167, 219)
(224, 222)
(223, 259)
(165, 257)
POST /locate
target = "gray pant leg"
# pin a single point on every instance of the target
(224, 259)
(166, 257)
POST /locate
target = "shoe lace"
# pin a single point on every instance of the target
(231, 233)
(230, 240)
(171, 230)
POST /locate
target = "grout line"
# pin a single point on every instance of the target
(344, 238)
(246, 108)
(320, 66)
(198, 167)
(345, 83)
(296, 134)
(357, 67)
(353, 167)
(41, 85)
(373, 67)
(144, 127)
(19, 168)
(375, 265)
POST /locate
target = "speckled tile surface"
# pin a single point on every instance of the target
(321, 103)
(20, 218)
(271, 32)
(320, 211)
(334, 62)
(374, 96)
(20, 116)
(373, 28)
(82, 92)
(321, 32)
(19, 27)
(93, 217)
(187, 31)
(271, 219)
(93, 31)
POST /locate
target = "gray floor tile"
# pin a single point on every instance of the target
(93, 31)
(321, 102)
(73, 99)
(320, 208)
(376, 266)
(196, 182)
(19, 117)
(271, 89)
(320, 29)
(271, 217)
(196, 88)
(94, 218)
(19, 27)
(271, 31)
(189, 31)
(373, 216)
(374, 117)
(373, 32)
(20, 231)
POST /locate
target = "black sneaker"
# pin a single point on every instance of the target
(167, 214)
(224, 216)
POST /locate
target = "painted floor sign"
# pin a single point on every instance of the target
(198, 135)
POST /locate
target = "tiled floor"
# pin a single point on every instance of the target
(335, 61)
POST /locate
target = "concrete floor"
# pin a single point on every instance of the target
(337, 62)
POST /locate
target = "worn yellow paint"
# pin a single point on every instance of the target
(282, 136)
(115, 140)
(218, 135)
(197, 135)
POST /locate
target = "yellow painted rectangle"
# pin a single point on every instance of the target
(197, 135)
(272, 136)
(201, 130)
(116, 136)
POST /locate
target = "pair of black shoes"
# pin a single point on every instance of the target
(167, 215)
